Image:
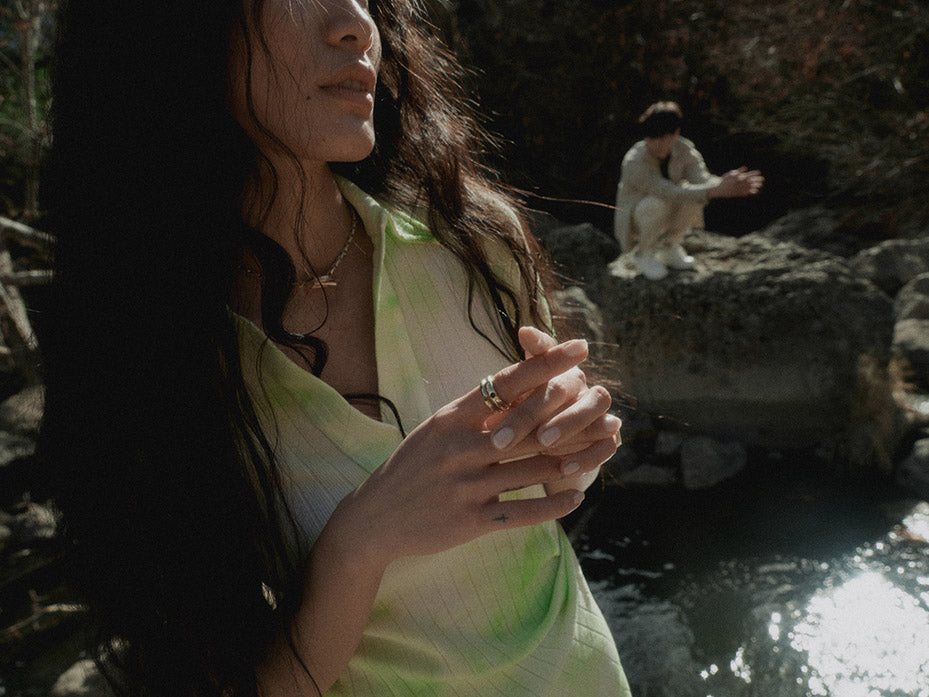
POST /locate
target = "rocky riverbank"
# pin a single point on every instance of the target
(784, 339)
(781, 341)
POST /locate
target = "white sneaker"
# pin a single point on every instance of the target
(650, 267)
(677, 258)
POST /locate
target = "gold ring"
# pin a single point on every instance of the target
(491, 398)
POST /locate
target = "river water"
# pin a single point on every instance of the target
(785, 582)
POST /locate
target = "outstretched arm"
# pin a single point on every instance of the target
(738, 183)
(643, 176)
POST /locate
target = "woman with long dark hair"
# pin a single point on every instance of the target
(281, 278)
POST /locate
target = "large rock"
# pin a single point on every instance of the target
(815, 227)
(892, 264)
(911, 332)
(765, 342)
(911, 342)
(580, 252)
(912, 302)
(913, 472)
(654, 640)
(580, 313)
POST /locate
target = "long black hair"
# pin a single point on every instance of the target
(168, 490)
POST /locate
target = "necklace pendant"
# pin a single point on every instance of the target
(322, 282)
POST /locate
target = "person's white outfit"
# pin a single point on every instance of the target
(654, 212)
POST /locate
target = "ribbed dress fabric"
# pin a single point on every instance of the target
(507, 614)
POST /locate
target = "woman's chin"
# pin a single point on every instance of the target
(354, 149)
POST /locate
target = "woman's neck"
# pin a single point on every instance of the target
(309, 216)
(303, 211)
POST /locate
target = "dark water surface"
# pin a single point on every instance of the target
(785, 582)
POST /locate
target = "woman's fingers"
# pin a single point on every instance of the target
(604, 428)
(513, 514)
(515, 381)
(591, 405)
(588, 458)
(522, 377)
(539, 406)
(512, 475)
(534, 341)
(442, 486)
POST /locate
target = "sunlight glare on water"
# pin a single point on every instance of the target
(774, 626)
(739, 667)
(864, 638)
(917, 522)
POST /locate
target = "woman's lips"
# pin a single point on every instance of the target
(357, 88)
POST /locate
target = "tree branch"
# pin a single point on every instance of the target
(26, 235)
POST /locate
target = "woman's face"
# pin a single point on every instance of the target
(312, 82)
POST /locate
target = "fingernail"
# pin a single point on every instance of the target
(550, 436)
(570, 468)
(503, 438)
(576, 347)
(578, 497)
(613, 423)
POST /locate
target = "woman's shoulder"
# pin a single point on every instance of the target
(416, 224)
(405, 224)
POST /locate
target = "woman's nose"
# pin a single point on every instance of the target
(348, 22)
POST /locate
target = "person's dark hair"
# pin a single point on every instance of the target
(660, 119)
(168, 490)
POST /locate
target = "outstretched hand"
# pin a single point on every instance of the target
(442, 485)
(738, 183)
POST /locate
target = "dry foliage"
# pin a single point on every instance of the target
(833, 86)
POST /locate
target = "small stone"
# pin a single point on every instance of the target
(22, 413)
(81, 680)
(668, 443)
(6, 535)
(706, 462)
(648, 475)
(14, 446)
(35, 523)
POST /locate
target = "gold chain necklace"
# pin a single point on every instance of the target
(326, 278)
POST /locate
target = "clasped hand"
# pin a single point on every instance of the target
(442, 485)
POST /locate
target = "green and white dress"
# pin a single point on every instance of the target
(508, 614)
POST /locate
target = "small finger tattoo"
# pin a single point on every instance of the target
(502, 518)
